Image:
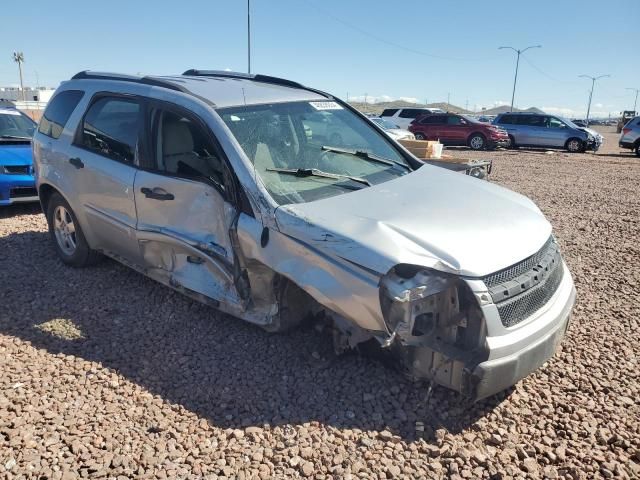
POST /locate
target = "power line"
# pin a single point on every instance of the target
(384, 40)
(542, 72)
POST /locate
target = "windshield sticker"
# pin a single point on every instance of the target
(325, 105)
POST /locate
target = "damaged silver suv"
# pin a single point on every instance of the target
(273, 201)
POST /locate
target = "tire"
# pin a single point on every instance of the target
(66, 234)
(477, 142)
(294, 307)
(420, 136)
(637, 149)
(574, 145)
(512, 143)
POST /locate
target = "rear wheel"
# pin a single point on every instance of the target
(575, 145)
(512, 142)
(66, 234)
(420, 136)
(477, 142)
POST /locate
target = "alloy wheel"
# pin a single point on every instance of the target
(65, 230)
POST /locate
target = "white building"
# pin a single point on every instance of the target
(42, 94)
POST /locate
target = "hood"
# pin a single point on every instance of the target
(12, 154)
(590, 131)
(432, 217)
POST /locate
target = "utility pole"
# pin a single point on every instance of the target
(448, 98)
(18, 57)
(515, 79)
(635, 103)
(248, 36)
(365, 98)
(466, 105)
(593, 84)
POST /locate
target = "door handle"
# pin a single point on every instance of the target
(76, 162)
(156, 193)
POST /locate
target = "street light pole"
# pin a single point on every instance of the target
(18, 57)
(636, 100)
(515, 79)
(593, 84)
(248, 36)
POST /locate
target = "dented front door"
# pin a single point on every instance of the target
(184, 236)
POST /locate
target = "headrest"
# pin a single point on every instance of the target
(176, 138)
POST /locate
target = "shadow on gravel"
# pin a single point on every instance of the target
(20, 209)
(224, 370)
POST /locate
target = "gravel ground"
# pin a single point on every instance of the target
(106, 374)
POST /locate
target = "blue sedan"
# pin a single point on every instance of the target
(16, 165)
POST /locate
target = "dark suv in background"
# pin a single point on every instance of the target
(454, 129)
(547, 131)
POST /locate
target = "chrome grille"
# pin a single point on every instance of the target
(514, 271)
(519, 308)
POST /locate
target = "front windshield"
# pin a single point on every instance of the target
(386, 124)
(569, 122)
(303, 137)
(16, 125)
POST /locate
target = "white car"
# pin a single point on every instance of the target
(393, 130)
(404, 116)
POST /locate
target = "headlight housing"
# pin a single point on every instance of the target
(421, 304)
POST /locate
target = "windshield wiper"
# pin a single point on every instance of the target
(15, 137)
(367, 156)
(314, 172)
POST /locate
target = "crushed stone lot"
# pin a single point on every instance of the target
(106, 374)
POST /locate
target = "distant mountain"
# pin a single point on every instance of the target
(507, 108)
(377, 108)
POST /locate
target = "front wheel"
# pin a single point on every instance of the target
(575, 145)
(477, 142)
(420, 136)
(637, 149)
(66, 234)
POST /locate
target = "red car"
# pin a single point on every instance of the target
(454, 129)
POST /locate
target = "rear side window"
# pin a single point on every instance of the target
(389, 112)
(532, 120)
(58, 112)
(110, 127)
(507, 120)
(433, 120)
(410, 113)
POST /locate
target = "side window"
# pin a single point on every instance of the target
(506, 119)
(434, 120)
(110, 128)
(183, 148)
(554, 123)
(58, 112)
(537, 121)
(454, 120)
(388, 112)
(409, 113)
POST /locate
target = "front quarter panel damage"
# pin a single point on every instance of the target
(336, 284)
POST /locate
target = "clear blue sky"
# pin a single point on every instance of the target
(385, 49)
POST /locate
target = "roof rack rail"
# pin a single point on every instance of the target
(152, 81)
(247, 76)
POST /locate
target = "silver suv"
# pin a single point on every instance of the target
(630, 135)
(547, 131)
(216, 184)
